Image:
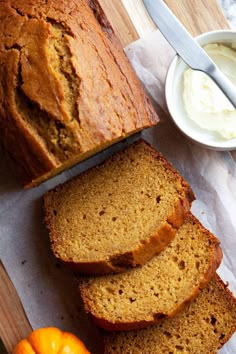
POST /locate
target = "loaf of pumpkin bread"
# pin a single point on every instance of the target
(201, 328)
(158, 289)
(119, 214)
(67, 89)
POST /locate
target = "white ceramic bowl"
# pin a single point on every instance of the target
(174, 96)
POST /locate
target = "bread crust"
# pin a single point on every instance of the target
(232, 301)
(52, 114)
(120, 263)
(146, 249)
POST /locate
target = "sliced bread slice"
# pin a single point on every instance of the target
(201, 328)
(160, 288)
(119, 214)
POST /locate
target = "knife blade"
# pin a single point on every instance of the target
(187, 47)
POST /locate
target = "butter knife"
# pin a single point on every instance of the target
(187, 47)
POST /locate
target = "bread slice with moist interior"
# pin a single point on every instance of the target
(160, 288)
(201, 328)
(119, 214)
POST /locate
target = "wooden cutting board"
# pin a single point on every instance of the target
(130, 22)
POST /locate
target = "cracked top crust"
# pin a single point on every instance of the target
(66, 89)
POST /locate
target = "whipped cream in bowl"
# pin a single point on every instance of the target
(198, 107)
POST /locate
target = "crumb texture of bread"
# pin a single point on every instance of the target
(67, 89)
(160, 288)
(201, 328)
(119, 214)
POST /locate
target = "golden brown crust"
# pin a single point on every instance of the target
(120, 263)
(146, 249)
(231, 303)
(68, 97)
(214, 261)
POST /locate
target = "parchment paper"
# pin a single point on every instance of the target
(46, 289)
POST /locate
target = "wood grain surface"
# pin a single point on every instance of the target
(197, 16)
(14, 324)
(130, 21)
